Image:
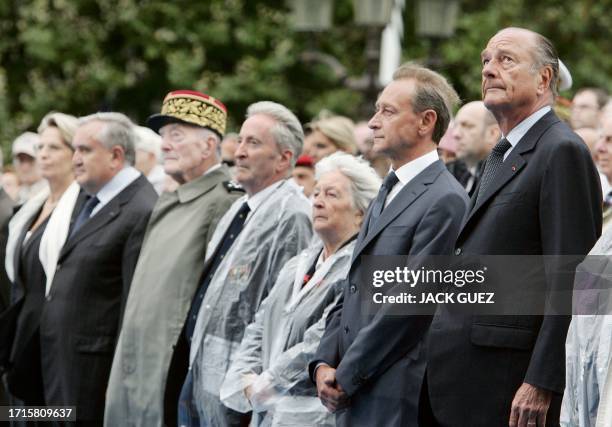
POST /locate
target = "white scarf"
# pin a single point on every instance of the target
(56, 232)
(16, 225)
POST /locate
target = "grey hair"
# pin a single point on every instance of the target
(365, 182)
(64, 123)
(148, 140)
(118, 130)
(206, 133)
(287, 132)
(545, 55)
(432, 92)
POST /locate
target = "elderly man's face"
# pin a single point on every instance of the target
(259, 160)
(509, 81)
(94, 164)
(184, 149)
(604, 147)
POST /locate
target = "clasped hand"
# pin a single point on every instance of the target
(330, 392)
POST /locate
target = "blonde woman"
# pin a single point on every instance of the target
(328, 135)
(36, 234)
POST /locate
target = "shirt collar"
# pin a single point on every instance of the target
(519, 131)
(257, 199)
(117, 184)
(406, 172)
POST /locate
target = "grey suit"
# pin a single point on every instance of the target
(379, 358)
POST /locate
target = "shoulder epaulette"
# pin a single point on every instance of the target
(233, 187)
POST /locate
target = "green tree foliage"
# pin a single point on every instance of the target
(80, 56)
(580, 30)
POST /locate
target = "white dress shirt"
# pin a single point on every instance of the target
(258, 198)
(115, 186)
(518, 132)
(408, 171)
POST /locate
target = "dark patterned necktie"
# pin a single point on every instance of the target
(493, 165)
(85, 213)
(379, 203)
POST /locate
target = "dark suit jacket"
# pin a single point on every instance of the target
(546, 200)
(6, 212)
(459, 170)
(379, 357)
(80, 320)
(24, 377)
(461, 173)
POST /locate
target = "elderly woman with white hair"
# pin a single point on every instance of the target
(36, 235)
(269, 374)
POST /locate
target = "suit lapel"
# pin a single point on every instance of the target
(362, 231)
(20, 246)
(511, 166)
(100, 219)
(107, 214)
(406, 197)
(514, 163)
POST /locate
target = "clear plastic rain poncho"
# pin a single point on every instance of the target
(589, 338)
(277, 347)
(277, 230)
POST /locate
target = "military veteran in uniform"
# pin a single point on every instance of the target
(253, 241)
(172, 258)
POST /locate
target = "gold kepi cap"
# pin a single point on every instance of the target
(193, 108)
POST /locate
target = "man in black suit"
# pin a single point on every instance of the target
(476, 132)
(80, 319)
(539, 195)
(376, 360)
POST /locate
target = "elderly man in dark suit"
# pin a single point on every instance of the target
(80, 319)
(372, 364)
(539, 195)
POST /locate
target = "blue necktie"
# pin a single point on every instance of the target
(85, 213)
